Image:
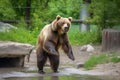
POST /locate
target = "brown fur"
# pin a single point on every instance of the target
(50, 39)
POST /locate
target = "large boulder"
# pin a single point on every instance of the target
(5, 27)
(14, 53)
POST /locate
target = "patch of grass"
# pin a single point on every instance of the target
(94, 60)
(100, 59)
(19, 35)
(115, 59)
(80, 38)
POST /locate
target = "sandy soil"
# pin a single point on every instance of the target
(80, 58)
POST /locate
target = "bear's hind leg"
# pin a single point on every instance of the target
(41, 60)
(54, 62)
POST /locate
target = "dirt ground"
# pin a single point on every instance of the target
(80, 58)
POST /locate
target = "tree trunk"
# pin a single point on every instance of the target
(110, 40)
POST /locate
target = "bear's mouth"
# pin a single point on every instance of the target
(66, 28)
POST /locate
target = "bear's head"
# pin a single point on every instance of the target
(61, 25)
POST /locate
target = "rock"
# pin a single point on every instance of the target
(87, 48)
(90, 48)
(14, 48)
(83, 48)
(79, 65)
(14, 53)
(5, 27)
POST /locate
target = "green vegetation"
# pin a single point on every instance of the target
(30, 36)
(105, 14)
(19, 35)
(100, 59)
(76, 37)
(41, 11)
(115, 59)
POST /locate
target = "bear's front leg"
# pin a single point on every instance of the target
(67, 47)
(68, 50)
(70, 53)
(50, 48)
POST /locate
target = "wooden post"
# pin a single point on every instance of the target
(110, 40)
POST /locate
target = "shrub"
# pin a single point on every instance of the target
(79, 38)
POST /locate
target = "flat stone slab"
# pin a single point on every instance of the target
(12, 54)
(12, 49)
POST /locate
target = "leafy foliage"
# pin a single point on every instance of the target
(42, 11)
(6, 10)
(65, 8)
(19, 7)
(105, 13)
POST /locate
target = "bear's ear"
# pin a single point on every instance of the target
(70, 19)
(58, 17)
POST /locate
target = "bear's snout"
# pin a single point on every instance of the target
(66, 28)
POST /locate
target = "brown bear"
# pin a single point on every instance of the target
(51, 38)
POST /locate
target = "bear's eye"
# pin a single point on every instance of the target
(62, 23)
(68, 24)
